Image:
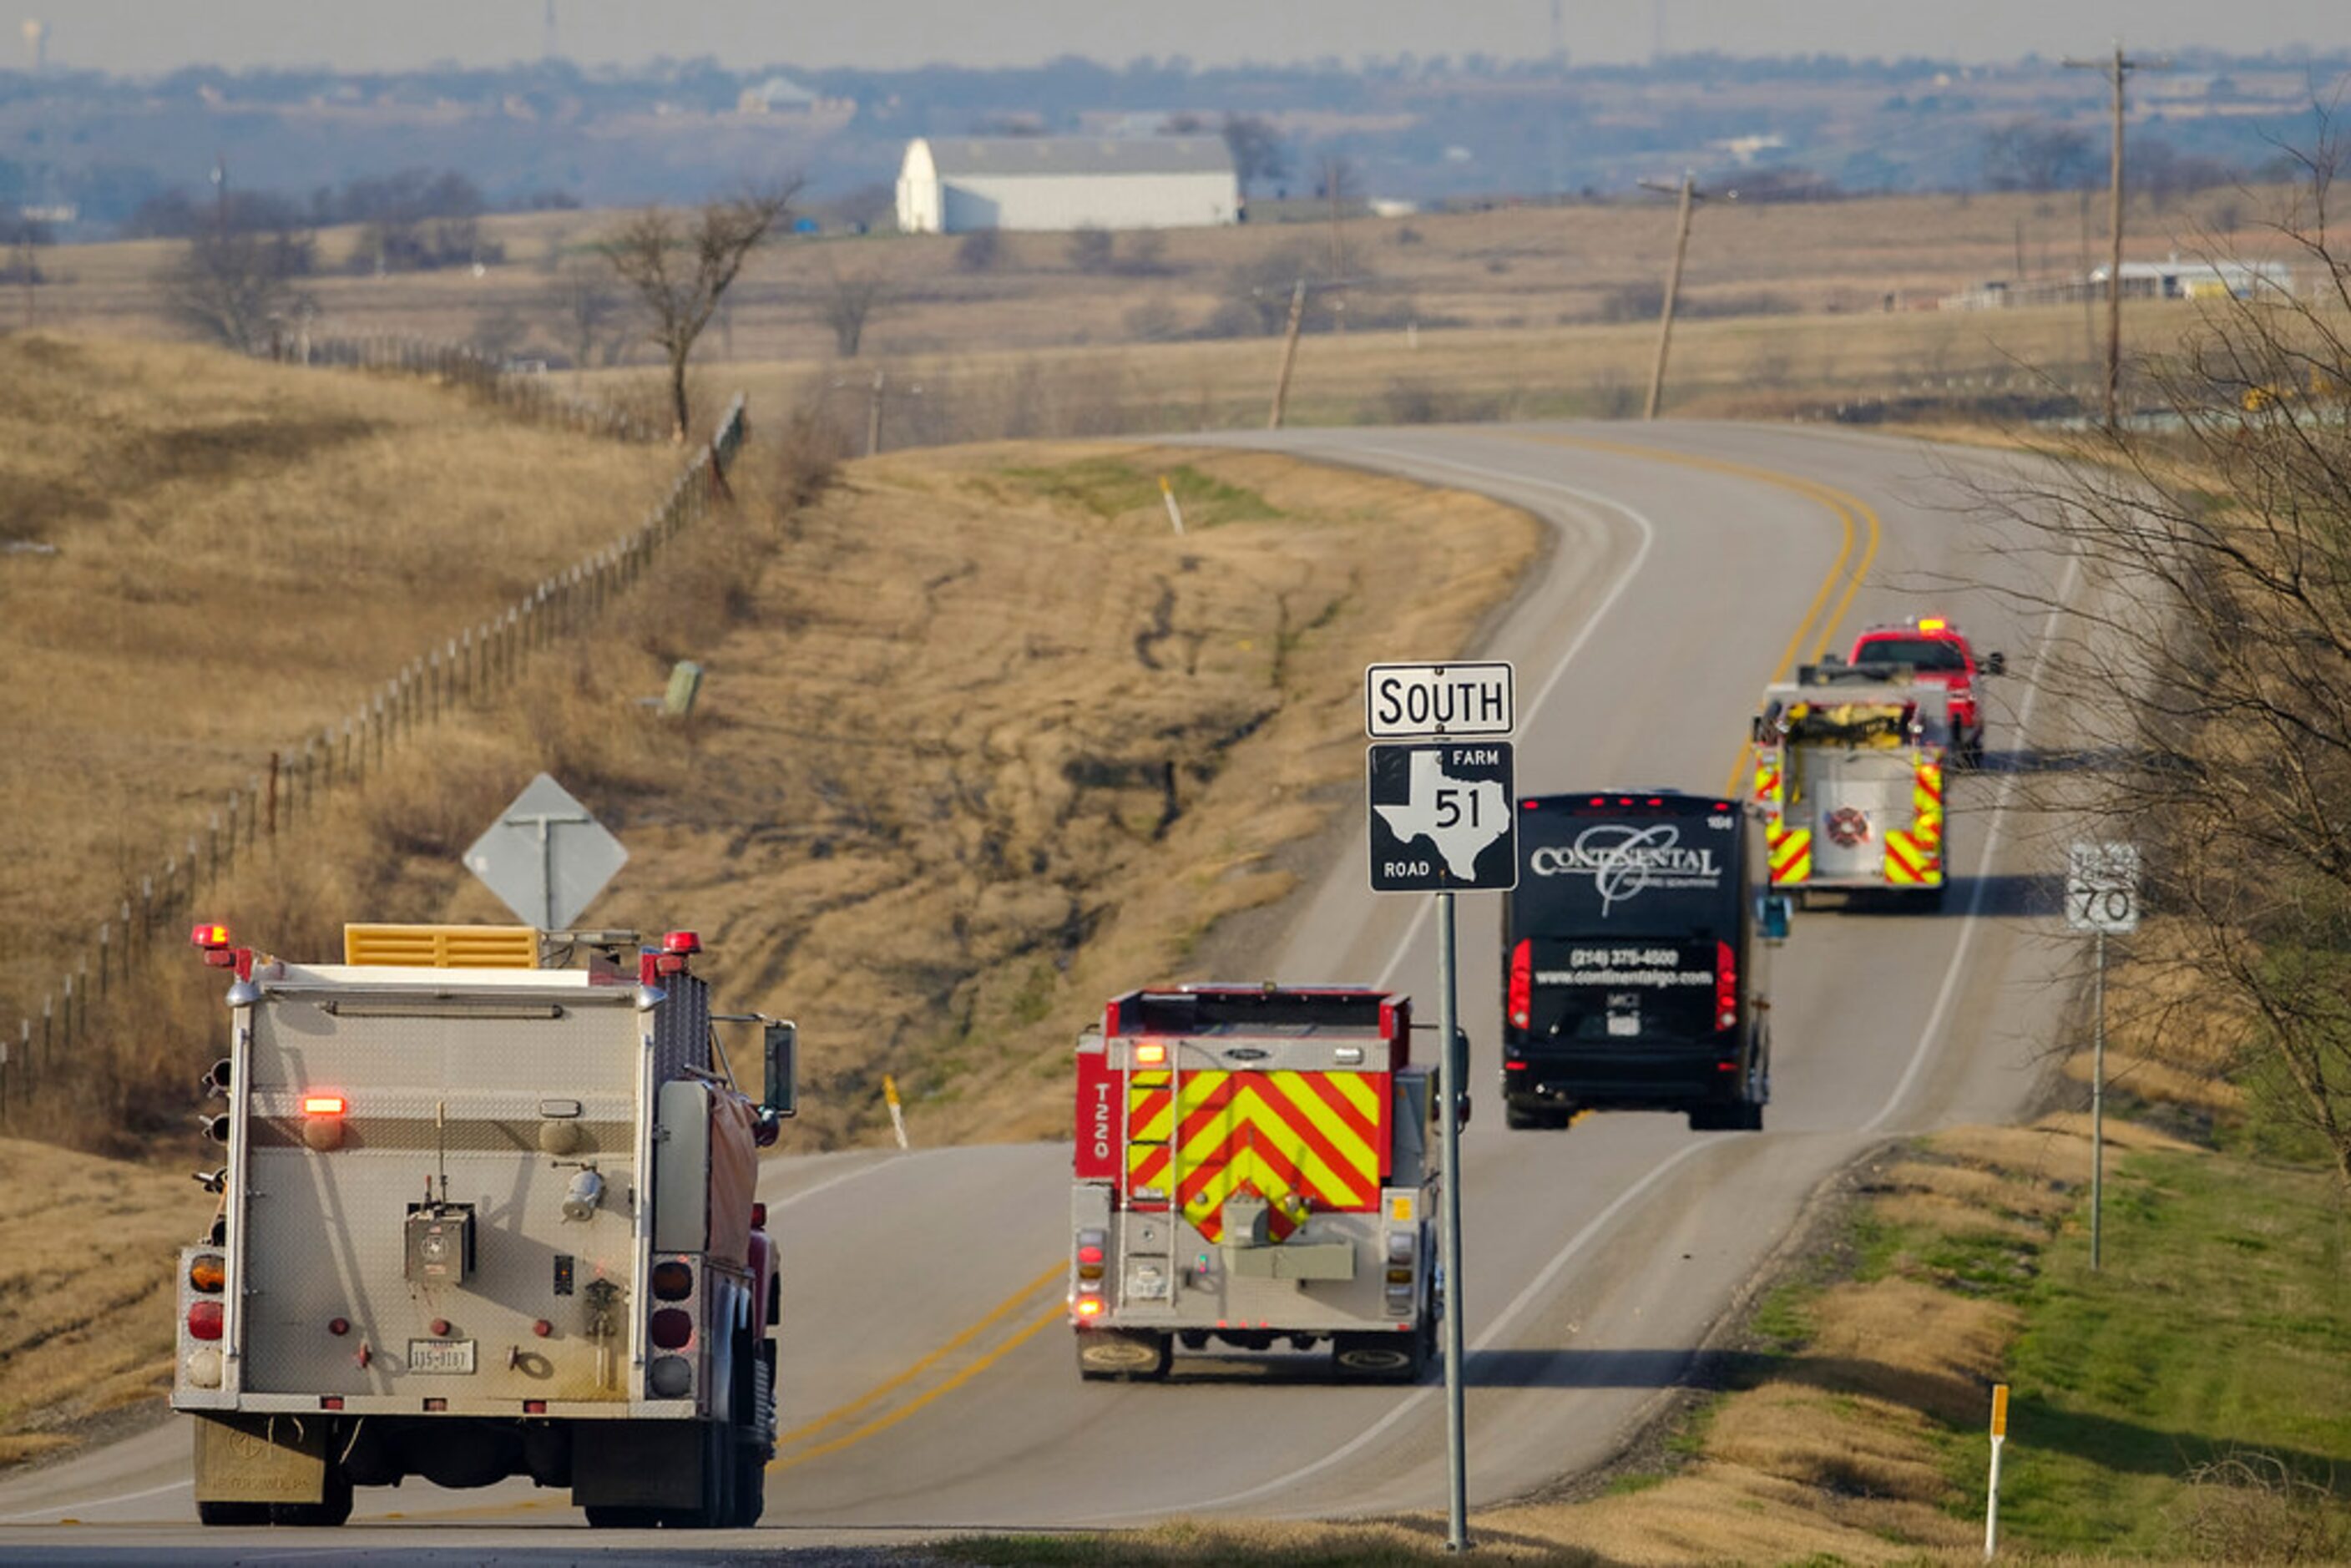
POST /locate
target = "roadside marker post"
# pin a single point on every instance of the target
(897, 1113)
(1991, 1491)
(1174, 512)
(2101, 896)
(1443, 819)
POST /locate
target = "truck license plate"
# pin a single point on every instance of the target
(452, 1356)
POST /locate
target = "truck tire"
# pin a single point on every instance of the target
(614, 1516)
(231, 1514)
(753, 1446)
(1126, 1356)
(1551, 1118)
(1380, 1358)
(332, 1511)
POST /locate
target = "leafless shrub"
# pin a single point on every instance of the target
(849, 301)
(2254, 1507)
(980, 251)
(228, 287)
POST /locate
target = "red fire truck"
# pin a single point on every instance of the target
(1254, 1167)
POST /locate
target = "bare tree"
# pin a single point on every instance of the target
(229, 286)
(849, 302)
(586, 313)
(680, 268)
(2208, 676)
(1257, 150)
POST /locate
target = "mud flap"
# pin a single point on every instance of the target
(261, 1459)
(637, 1464)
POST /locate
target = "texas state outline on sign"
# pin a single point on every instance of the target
(1484, 814)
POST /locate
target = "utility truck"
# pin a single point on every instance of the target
(1849, 765)
(1253, 1167)
(487, 1210)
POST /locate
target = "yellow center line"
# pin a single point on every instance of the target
(1847, 508)
(1052, 1315)
(882, 1391)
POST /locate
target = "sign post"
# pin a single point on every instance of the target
(1442, 821)
(2101, 896)
(1991, 1491)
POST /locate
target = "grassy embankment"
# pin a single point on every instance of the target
(980, 741)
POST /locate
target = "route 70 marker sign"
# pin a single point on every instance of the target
(2101, 887)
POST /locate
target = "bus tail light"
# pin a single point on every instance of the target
(1725, 986)
(1522, 985)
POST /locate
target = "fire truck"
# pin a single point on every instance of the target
(1849, 764)
(1254, 1166)
(1936, 652)
(487, 1210)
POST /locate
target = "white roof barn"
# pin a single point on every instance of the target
(952, 184)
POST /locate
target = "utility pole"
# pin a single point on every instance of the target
(1691, 195)
(1289, 353)
(2115, 70)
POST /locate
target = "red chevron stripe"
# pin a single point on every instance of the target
(1341, 1167)
(1216, 1099)
(1141, 1112)
(1147, 1174)
(1326, 1087)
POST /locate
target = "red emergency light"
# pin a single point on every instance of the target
(322, 1104)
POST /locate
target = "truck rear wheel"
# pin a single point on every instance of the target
(231, 1514)
(1128, 1355)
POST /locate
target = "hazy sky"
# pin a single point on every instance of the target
(148, 35)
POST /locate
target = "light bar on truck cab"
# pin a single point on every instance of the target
(1934, 623)
(209, 938)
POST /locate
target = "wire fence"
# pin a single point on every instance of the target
(531, 396)
(464, 672)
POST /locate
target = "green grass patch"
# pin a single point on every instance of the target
(2220, 1327)
(1109, 487)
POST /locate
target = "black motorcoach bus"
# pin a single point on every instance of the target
(1633, 961)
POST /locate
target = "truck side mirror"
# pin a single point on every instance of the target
(1995, 664)
(781, 1044)
(1778, 914)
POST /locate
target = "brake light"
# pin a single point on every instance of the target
(1090, 1306)
(322, 1104)
(1090, 1254)
(1725, 986)
(1522, 985)
(1110, 1018)
(672, 1327)
(205, 1319)
(673, 1281)
(1530, 805)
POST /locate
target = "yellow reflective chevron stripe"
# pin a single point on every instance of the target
(1150, 1122)
(1910, 862)
(1767, 791)
(1792, 852)
(1926, 801)
(1301, 1141)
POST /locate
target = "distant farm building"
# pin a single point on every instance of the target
(952, 184)
(2170, 279)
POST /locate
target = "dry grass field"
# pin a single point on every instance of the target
(88, 1252)
(232, 556)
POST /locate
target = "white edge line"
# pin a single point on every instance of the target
(1930, 1035)
(63, 1508)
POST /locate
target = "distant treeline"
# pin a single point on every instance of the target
(411, 221)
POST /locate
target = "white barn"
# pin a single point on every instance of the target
(952, 184)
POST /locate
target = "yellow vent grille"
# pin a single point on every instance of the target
(443, 946)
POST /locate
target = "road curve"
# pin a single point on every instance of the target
(928, 1380)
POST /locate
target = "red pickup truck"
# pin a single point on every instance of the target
(1939, 652)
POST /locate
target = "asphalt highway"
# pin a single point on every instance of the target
(928, 1380)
